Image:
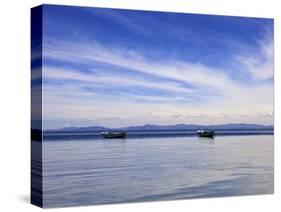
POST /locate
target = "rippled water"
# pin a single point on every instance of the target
(99, 171)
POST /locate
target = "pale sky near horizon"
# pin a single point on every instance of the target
(119, 68)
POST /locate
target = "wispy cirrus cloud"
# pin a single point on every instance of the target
(259, 65)
(112, 80)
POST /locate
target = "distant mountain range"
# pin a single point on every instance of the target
(148, 127)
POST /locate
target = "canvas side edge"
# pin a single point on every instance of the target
(36, 107)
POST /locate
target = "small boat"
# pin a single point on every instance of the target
(206, 133)
(114, 134)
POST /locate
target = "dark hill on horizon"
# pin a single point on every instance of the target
(148, 127)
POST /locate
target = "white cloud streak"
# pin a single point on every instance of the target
(260, 65)
(112, 80)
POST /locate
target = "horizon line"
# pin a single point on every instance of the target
(234, 123)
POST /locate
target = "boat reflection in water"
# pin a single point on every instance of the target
(109, 134)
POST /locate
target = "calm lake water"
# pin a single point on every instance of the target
(100, 171)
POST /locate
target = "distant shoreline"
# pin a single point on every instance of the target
(150, 127)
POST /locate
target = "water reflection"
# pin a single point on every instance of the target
(207, 140)
(81, 172)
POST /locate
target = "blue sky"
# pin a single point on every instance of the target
(123, 67)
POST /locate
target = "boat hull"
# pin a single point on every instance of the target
(114, 134)
(207, 134)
